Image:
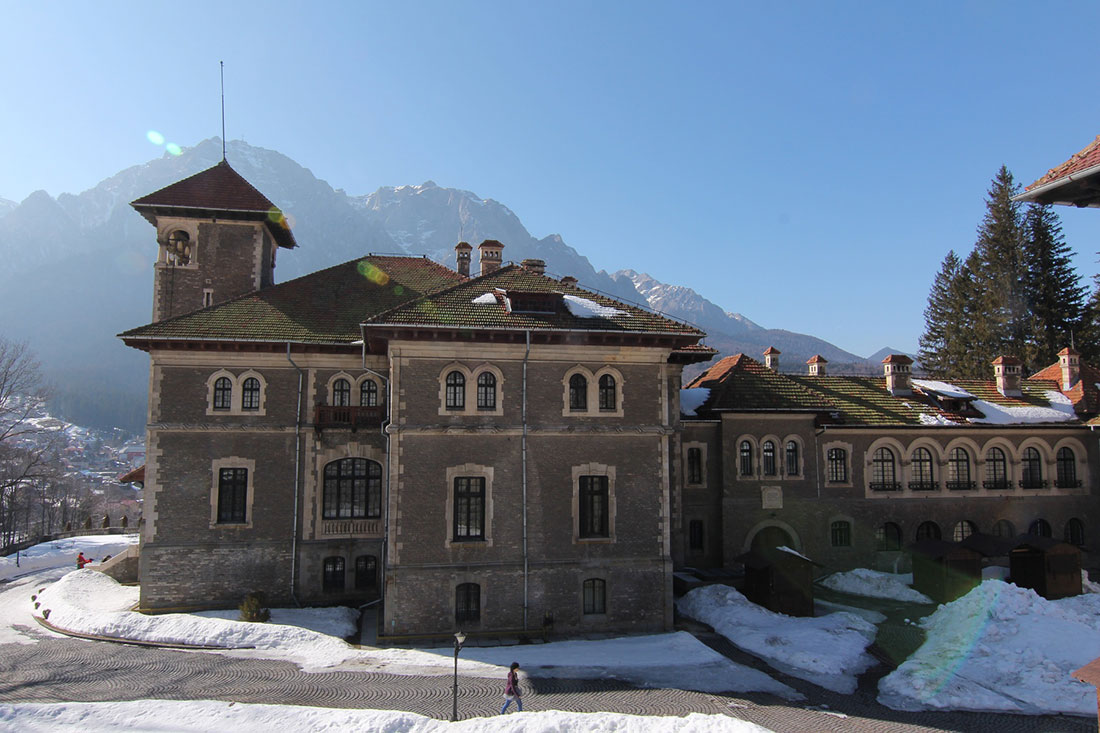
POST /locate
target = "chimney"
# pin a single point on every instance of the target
(1070, 361)
(1006, 370)
(817, 364)
(569, 280)
(896, 368)
(536, 266)
(489, 253)
(771, 358)
(462, 258)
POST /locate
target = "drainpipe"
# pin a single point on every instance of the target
(817, 457)
(523, 450)
(386, 434)
(297, 481)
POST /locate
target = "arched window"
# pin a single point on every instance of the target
(962, 530)
(746, 458)
(366, 572)
(595, 596)
(223, 394)
(578, 392)
(1067, 469)
(928, 531)
(996, 469)
(923, 478)
(178, 250)
(607, 393)
(1040, 527)
(888, 537)
(456, 391)
(468, 603)
(486, 391)
(250, 394)
(792, 458)
(1032, 466)
(958, 470)
(352, 489)
(883, 471)
(333, 579)
(341, 393)
(840, 533)
(1004, 528)
(838, 465)
(368, 393)
(1075, 532)
(768, 450)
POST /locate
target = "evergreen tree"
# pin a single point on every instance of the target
(1087, 336)
(945, 321)
(1055, 296)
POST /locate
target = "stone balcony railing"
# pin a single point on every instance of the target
(347, 417)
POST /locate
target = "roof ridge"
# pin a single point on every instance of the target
(438, 291)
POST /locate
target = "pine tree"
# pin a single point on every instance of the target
(945, 320)
(1087, 336)
(1055, 296)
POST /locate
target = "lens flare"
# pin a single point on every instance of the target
(173, 149)
(155, 137)
(372, 273)
(398, 290)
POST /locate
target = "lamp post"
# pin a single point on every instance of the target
(459, 639)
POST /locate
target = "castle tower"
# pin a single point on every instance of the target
(490, 254)
(462, 258)
(217, 238)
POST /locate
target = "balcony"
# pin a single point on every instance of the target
(960, 485)
(922, 486)
(1033, 483)
(999, 484)
(885, 486)
(1067, 483)
(347, 418)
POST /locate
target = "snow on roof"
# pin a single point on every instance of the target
(485, 299)
(926, 419)
(585, 308)
(692, 399)
(944, 388)
(1060, 410)
(784, 548)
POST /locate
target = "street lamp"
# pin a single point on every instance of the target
(459, 639)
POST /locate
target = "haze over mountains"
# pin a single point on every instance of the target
(78, 268)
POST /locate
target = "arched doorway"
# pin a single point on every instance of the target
(770, 537)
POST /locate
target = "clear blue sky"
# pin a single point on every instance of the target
(806, 164)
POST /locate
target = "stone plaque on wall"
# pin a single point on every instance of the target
(771, 497)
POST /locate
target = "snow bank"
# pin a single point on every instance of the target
(1001, 648)
(1060, 410)
(692, 399)
(207, 715)
(585, 308)
(829, 651)
(873, 584)
(62, 553)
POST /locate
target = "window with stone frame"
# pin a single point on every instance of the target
(469, 509)
(1067, 469)
(366, 572)
(768, 451)
(467, 603)
(606, 393)
(332, 579)
(745, 458)
(792, 458)
(923, 478)
(695, 465)
(368, 393)
(250, 394)
(958, 470)
(486, 391)
(341, 393)
(455, 398)
(840, 533)
(578, 393)
(595, 596)
(594, 506)
(837, 459)
(232, 495)
(996, 469)
(352, 489)
(884, 471)
(888, 537)
(1031, 465)
(223, 394)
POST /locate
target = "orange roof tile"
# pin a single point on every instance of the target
(1088, 157)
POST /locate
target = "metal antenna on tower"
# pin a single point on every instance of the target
(222, 64)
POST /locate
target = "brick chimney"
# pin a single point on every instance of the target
(1070, 361)
(1006, 370)
(490, 255)
(771, 358)
(896, 368)
(536, 266)
(569, 280)
(817, 364)
(462, 258)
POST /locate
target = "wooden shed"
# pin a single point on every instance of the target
(780, 580)
(1049, 567)
(943, 571)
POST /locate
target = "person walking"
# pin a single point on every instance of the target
(81, 561)
(511, 689)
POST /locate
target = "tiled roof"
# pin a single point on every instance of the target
(1086, 158)
(740, 382)
(219, 188)
(455, 308)
(1085, 394)
(326, 306)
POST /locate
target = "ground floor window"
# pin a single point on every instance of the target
(468, 603)
(366, 572)
(595, 596)
(695, 535)
(232, 495)
(888, 537)
(333, 579)
(841, 534)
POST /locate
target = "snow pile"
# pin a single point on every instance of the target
(585, 308)
(937, 419)
(485, 299)
(873, 584)
(339, 621)
(829, 651)
(943, 388)
(1060, 410)
(62, 553)
(207, 715)
(692, 399)
(1001, 648)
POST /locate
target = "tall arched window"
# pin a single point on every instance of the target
(768, 451)
(928, 531)
(746, 458)
(792, 458)
(884, 471)
(958, 470)
(578, 392)
(333, 579)
(368, 393)
(923, 478)
(352, 489)
(223, 393)
(1004, 528)
(250, 394)
(341, 393)
(486, 391)
(1032, 467)
(888, 537)
(456, 391)
(1075, 532)
(996, 469)
(608, 398)
(1067, 469)
(467, 603)
(962, 530)
(1040, 527)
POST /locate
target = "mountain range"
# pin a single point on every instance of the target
(78, 268)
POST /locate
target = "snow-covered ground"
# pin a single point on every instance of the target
(874, 584)
(829, 651)
(62, 553)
